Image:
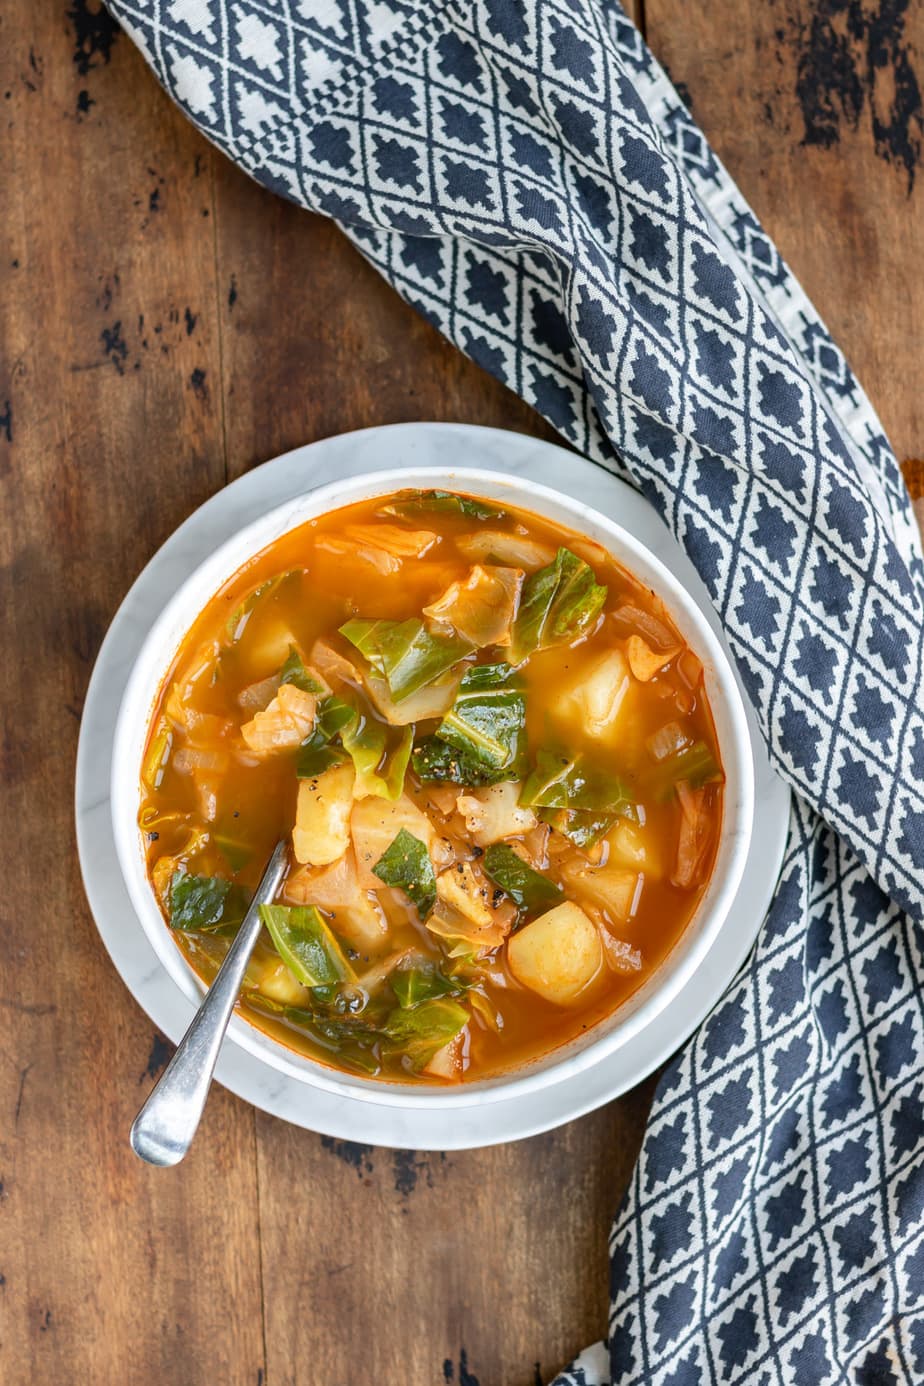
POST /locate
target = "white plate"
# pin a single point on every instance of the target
(450, 445)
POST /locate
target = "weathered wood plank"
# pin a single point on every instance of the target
(108, 1271)
(425, 1267)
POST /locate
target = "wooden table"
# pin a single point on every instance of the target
(166, 325)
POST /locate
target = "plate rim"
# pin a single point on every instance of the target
(269, 485)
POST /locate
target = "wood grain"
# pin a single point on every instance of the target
(164, 325)
(108, 1271)
(425, 1267)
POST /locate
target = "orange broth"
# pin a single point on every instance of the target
(211, 809)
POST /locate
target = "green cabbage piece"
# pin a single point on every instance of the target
(412, 985)
(380, 754)
(347, 728)
(482, 739)
(406, 864)
(412, 503)
(306, 944)
(404, 653)
(529, 890)
(557, 604)
(434, 761)
(562, 781)
(205, 904)
(421, 1030)
(583, 827)
(294, 672)
(319, 752)
(696, 764)
(487, 721)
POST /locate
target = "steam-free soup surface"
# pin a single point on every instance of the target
(493, 760)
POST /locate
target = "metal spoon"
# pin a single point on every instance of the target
(163, 1130)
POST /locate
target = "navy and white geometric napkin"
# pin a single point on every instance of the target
(525, 175)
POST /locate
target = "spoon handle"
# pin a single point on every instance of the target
(163, 1130)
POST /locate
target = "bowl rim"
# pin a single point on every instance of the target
(189, 598)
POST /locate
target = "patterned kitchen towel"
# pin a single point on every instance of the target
(525, 175)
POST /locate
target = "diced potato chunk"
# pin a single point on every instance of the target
(634, 848)
(614, 888)
(465, 889)
(557, 955)
(593, 698)
(448, 1061)
(282, 725)
(362, 922)
(375, 823)
(265, 642)
(357, 916)
(644, 661)
(268, 974)
(482, 606)
(322, 816)
(493, 813)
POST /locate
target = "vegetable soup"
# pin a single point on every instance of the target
(493, 759)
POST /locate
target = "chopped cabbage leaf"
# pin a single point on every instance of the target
(319, 753)
(379, 756)
(529, 890)
(413, 503)
(487, 721)
(404, 653)
(294, 671)
(480, 607)
(563, 781)
(306, 945)
(583, 827)
(558, 603)
(419, 1031)
(421, 982)
(406, 864)
(205, 904)
(694, 765)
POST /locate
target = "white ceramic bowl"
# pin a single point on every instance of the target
(159, 650)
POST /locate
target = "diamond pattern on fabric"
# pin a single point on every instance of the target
(527, 177)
